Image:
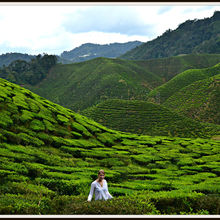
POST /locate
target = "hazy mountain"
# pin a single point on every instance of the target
(89, 51)
(6, 59)
(192, 36)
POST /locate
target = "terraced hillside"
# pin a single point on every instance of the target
(50, 155)
(163, 92)
(199, 100)
(142, 117)
(78, 86)
(168, 67)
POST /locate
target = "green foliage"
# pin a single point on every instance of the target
(163, 92)
(192, 36)
(21, 71)
(199, 100)
(107, 78)
(44, 161)
(116, 206)
(147, 118)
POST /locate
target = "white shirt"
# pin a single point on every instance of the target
(101, 192)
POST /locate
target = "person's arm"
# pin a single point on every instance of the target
(91, 192)
(109, 195)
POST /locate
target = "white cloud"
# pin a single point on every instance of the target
(55, 28)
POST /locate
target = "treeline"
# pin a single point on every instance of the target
(192, 36)
(32, 72)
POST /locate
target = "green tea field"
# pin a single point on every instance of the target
(50, 155)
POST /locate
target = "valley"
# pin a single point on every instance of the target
(147, 113)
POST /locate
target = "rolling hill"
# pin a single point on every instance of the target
(80, 85)
(163, 92)
(200, 100)
(90, 51)
(192, 36)
(50, 155)
(142, 117)
(168, 67)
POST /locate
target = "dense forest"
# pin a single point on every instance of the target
(32, 72)
(192, 36)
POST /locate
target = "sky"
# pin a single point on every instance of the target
(52, 28)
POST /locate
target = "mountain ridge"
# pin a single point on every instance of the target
(89, 51)
(192, 36)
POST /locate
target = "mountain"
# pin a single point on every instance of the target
(90, 51)
(200, 100)
(81, 85)
(49, 155)
(6, 59)
(142, 117)
(163, 92)
(192, 36)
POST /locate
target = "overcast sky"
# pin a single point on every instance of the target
(56, 27)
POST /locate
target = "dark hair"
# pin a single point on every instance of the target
(101, 171)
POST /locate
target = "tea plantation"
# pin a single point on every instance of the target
(143, 117)
(163, 92)
(81, 85)
(199, 100)
(49, 156)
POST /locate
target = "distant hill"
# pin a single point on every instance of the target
(200, 100)
(142, 117)
(168, 67)
(80, 85)
(31, 72)
(192, 36)
(6, 59)
(163, 92)
(89, 51)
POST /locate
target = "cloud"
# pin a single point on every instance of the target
(164, 9)
(109, 19)
(55, 28)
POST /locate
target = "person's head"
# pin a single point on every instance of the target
(101, 175)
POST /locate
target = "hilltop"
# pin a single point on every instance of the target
(163, 92)
(200, 100)
(7, 58)
(81, 85)
(168, 67)
(142, 117)
(50, 155)
(90, 51)
(192, 36)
